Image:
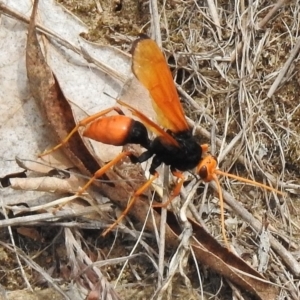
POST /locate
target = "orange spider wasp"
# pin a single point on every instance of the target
(174, 145)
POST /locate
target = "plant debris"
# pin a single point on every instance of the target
(236, 67)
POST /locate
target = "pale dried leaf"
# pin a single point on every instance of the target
(24, 132)
(46, 184)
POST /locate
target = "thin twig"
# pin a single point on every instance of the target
(99, 7)
(28, 285)
(215, 17)
(284, 69)
(162, 235)
(155, 22)
(271, 13)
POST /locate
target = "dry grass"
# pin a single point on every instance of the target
(226, 61)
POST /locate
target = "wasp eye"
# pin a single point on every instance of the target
(203, 173)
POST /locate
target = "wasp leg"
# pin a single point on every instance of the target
(103, 170)
(139, 192)
(175, 192)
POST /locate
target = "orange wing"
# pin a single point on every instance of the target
(151, 69)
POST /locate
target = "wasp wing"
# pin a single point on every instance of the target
(150, 68)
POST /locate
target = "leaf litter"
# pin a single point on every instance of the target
(250, 93)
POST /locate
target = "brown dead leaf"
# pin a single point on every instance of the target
(56, 109)
(30, 232)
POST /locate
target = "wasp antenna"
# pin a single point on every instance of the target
(215, 178)
(219, 172)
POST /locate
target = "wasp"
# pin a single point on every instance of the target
(174, 144)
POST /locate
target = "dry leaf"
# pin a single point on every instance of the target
(46, 184)
(30, 232)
